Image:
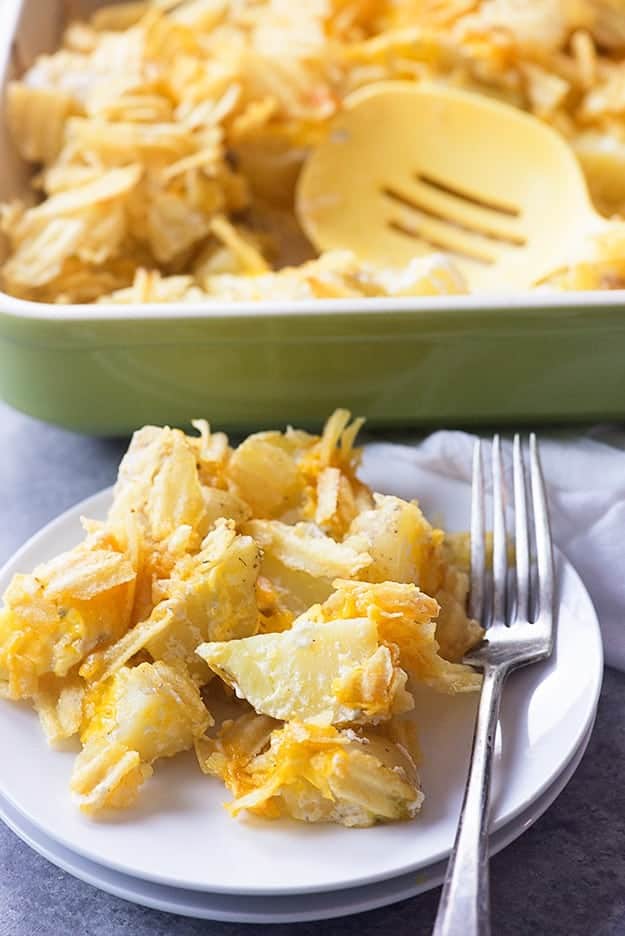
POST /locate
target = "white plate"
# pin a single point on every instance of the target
(290, 909)
(180, 836)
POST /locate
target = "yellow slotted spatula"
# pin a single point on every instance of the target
(411, 168)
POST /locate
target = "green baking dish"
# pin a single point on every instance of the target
(446, 360)
(460, 361)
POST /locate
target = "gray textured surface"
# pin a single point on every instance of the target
(565, 877)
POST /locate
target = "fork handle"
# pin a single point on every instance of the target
(464, 908)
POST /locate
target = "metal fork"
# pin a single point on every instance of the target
(514, 637)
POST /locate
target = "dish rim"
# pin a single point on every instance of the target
(219, 309)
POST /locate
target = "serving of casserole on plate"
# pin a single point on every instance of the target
(272, 567)
(154, 258)
(255, 617)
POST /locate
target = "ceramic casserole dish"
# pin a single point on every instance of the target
(453, 360)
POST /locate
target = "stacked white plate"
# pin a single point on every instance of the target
(179, 851)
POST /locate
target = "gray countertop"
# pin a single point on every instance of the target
(566, 875)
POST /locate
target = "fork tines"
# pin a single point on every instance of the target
(506, 597)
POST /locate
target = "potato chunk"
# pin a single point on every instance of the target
(265, 476)
(405, 548)
(399, 539)
(55, 616)
(138, 715)
(158, 481)
(158, 507)
(329, 673)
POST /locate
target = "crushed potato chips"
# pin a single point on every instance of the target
(263, 587)
(406, 619)
(169, 137)
(66, 608)
(315, 773)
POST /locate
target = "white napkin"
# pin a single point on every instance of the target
(585, 476)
